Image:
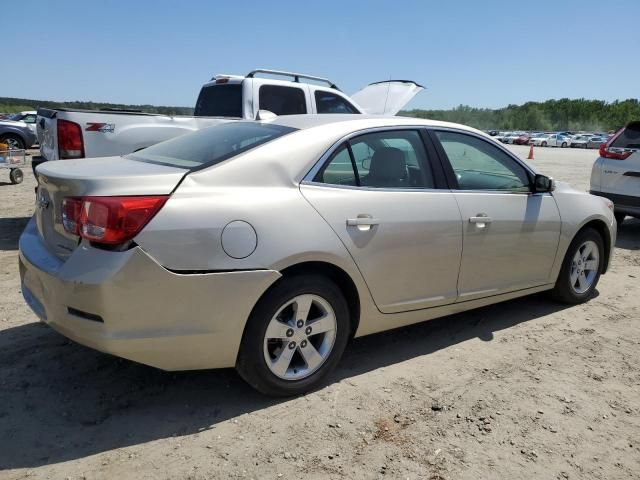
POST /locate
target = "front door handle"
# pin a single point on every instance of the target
(363, 222)
(481, 220)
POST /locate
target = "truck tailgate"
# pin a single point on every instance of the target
(46, 132)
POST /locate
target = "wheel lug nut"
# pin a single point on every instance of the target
(308, 330)
(303, 343)
(290, 332)
(292, 345)
(300, 323)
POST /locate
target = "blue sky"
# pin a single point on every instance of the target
(480, 53)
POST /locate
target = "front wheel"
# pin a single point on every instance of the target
(564, 145)
(295, 336)
(581, 268)
(544, 144)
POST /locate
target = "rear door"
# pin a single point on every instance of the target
(621, 167)
(510, 236)
(379, 193)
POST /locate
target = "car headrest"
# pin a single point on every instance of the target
(388, 163)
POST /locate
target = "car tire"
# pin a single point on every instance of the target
(16, 176)
(543, 144)
(620, 217)
(571, 287)
(275, 312)
(14, 141)
(564, 145)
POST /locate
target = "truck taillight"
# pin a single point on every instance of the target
(614, 153)
(70, 142)
(109, 220)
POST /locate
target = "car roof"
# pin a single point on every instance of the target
(355, 121)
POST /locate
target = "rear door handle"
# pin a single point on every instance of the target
(362, 222)
(481, 220)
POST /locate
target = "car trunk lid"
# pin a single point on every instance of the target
(109, 176)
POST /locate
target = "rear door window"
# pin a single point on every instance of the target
(224, 100)
(282, 100)
(327, 102)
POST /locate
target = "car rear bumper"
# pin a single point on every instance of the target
(126, 304)
(621, 203)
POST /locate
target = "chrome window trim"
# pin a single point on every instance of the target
(490, 142)
(308, 178)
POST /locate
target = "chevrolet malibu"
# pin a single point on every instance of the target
(268, 245)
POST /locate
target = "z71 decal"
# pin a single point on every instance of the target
(100, 127)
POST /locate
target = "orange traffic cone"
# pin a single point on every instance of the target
(530, 157)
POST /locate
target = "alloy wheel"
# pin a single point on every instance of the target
(584, 267)
(300, 337)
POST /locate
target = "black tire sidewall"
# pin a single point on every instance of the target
(16, 176)
(563, 290)
(251, 364)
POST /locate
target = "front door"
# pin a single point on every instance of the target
(377, 192)
(510, 235)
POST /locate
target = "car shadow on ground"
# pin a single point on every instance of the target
(629, 234)
(10, 230)
(62, 401)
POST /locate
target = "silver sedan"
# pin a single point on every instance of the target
(268, 245)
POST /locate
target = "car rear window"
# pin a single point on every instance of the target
(224, 100)
(210, 146)
(629, 138)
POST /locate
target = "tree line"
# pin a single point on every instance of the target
(552, 115)
(13, 105)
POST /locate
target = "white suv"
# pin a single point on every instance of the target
(616, 173)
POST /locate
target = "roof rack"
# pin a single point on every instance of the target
(296, 76)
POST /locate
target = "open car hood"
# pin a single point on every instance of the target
(387, 97)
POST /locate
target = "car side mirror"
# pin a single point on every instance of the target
(543, 184)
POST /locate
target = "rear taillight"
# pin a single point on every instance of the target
(70, 142)
(71, 208)
(109, 220)
(614, 153)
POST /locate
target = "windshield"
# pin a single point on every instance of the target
(211, 145)
(221, 100)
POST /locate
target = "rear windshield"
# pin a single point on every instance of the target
(223, 100)
(210, 146)
(629, 138)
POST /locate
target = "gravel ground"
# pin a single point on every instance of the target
(524, 389)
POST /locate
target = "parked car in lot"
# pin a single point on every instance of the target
(587, 141)
(180, 256)
(522, 139)
(16, 134)
(616, 173)
(551, 140)
(28, 117)
(70, 133)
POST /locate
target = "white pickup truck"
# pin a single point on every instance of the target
(68, 133)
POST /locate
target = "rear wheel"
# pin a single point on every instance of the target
(13, 141)
(620, 217)
(295, 336)
(564, 144)
(581, 268)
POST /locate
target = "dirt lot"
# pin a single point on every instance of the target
(524, 389)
